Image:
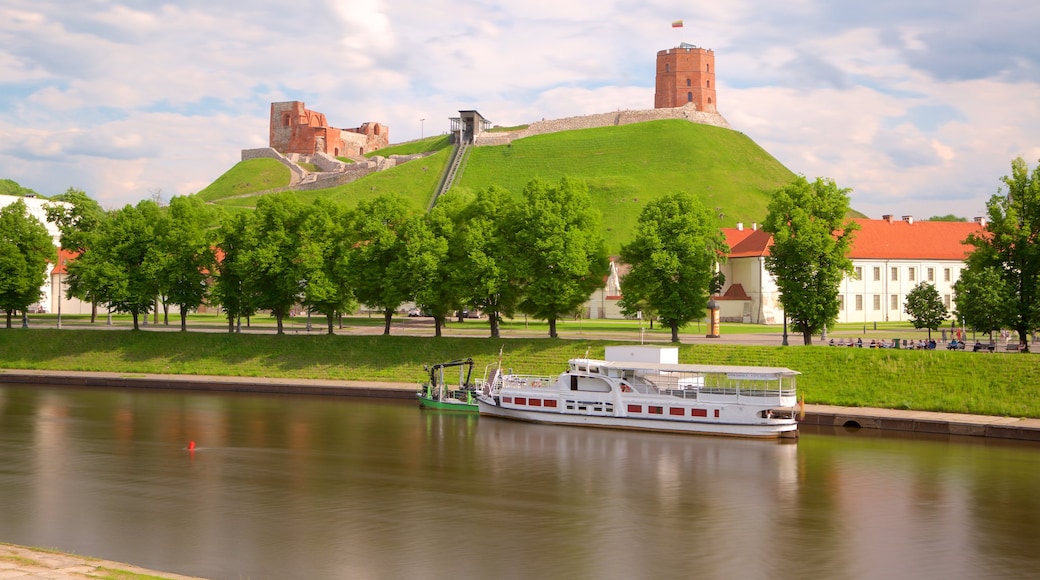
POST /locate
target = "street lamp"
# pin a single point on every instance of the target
(784, 343)
(422, 133)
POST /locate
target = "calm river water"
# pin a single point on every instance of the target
(286, 487)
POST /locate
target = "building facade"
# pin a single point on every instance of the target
(686, 74)
(890, 257)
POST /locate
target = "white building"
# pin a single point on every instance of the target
(890, 257)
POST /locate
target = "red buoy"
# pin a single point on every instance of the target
(191, 446)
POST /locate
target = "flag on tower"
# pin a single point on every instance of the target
(677, 24)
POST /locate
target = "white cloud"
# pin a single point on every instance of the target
(121, 98)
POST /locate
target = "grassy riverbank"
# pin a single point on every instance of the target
(958, 382)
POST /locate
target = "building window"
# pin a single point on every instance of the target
(841, 302)
(689, 83)
(911, 274)
(859, 302)
(946, 301)
(858, 273)
(946, 274)
(877, 302)
(709, 84)
(707, 68)
(877, 273)
(667, 67)
(895, 302)
(895, 274)
(689, 97)
(931, 274)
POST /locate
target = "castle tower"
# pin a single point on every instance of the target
(686, 75)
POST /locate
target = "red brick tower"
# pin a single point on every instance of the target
(686, 75)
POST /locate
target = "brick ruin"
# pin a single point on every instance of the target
(295, 129)
(686, 74)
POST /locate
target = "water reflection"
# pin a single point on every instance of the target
(285, 487)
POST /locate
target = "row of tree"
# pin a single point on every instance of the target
(542, 256)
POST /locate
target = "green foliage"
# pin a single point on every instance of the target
(182, 257)
(947, 218)
(982, 298)
(25, 249)
(247, 177)
(809, 255)
(483, 255)
(276, 271)
(564, 258)
(378, 259)
(77, 219)
(115, 270)
(230, 289)
(925, 307)
(1009, 247)
(674, 256)
(326, 288)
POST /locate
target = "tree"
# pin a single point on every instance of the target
(272, 266)
(231, 288)
(981, 299)
(438, 295)
(484, 258)
(324, 255)
(809, 255)
(673, 260)
(1010, 246)
(564, 258)
(947, 218)
(25, 249)
(379, 260)
(78, 219)
(115, 268)
(925, 307)
(182, 256)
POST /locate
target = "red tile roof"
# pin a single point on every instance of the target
(878, 239)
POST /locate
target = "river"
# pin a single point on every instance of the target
(287, 487)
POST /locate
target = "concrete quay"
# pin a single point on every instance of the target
(815, 415)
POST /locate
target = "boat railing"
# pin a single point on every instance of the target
(693, 393)
(523, 381)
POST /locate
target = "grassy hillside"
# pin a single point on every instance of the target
(627, 166)
(247, 177)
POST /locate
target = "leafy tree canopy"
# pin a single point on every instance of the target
(673, 260)
(925, 307)
(25, 249)
(809, 255)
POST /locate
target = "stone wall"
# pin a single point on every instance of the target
(687, 112)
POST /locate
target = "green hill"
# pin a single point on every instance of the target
(625, 167)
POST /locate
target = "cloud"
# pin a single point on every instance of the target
(906, 102)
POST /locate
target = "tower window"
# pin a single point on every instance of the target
(689, 97)
(667, 67)
(709, 84)
(688, 81)
(707, 68)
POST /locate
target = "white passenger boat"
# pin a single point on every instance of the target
(645, 388)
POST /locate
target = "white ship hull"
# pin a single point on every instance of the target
(756, 402)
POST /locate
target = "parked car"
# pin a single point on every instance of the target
(414, 312)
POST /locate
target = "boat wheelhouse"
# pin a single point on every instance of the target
(645, 388)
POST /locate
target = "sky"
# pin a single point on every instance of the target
(917, 106)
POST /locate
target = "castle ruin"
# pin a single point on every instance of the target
(295, 129)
